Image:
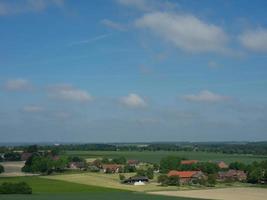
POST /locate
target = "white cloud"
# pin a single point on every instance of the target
(17, 85)
(133, 100)
(186, 32)
(206, 96)
(32, 109)
(113, 25)
(254, 40)
(88, 41)
(24, 6)
(68, 93)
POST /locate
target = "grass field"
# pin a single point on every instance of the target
(109, 181)
(45, 189)
(154, 157)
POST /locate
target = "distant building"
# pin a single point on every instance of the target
(141, 180)
(235, 175)
(112, 168)
(25, 156)
(187, 176)
(222, 165)
(133, 163)
(76, 165)
(189, 162)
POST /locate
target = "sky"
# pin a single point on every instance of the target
(133, 70)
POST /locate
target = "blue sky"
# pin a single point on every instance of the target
(133, 70)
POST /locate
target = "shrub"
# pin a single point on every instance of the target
(174, 180)
(211, 179)
(149, 173)
(169, 163)
(122, 177)
(2, 169)
(129, 169)
(15, 188)
(163, 179)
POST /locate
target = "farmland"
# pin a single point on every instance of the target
(110, 180)
(45, 189)
(225, 193)
(155, 156)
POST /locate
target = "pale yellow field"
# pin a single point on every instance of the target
(108, 180)
(13, 169)
(220, 194)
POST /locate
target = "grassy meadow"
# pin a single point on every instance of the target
(46, 189)
(155, 156)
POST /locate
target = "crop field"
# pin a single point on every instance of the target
(109, 181)
(154, 157)
(45, 189)
(225, 193)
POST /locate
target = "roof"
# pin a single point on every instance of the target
(131, 162)
(183, 174)
(111, 166)
(136, 179)
(188, 162)
(231, 173)
(222, 164)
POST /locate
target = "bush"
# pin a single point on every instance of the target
(174, 181)
(163, 179)
(169, 163)
(149, 173)
(122, 177)
(129, 169)
(2, 169)
(120, 160)
(15, 188)
(211, 179)
(12, 156)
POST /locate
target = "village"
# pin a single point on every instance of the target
(171, 171)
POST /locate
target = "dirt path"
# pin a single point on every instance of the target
(220, 194)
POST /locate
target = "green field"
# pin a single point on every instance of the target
(155, 156)
(45, 189)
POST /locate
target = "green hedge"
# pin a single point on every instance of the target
(2, 169)
(15, 188)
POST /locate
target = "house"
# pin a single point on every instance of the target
(235, 175)
(187, 176)
(222, 165)
(137, 180)
(189, 162)
(112, 168)
(133, 163)
(25, 156)
(76, 165)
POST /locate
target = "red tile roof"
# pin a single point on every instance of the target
(112, 166)
(189, 162)
(182, 174)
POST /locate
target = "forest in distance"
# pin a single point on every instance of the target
(254, 148)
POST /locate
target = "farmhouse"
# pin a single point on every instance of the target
(25, 156)
(140, 180)
(237, 175)
(76, 165)
(112, 168)
(222, 165)
(187, 176)
(189, 162)
(133, 163)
